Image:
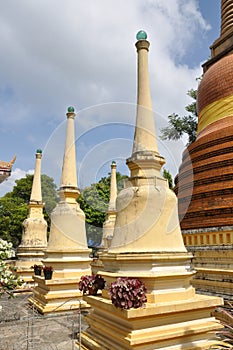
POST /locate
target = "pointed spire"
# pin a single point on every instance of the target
(36, 195)
(34, 235)
(109, 224)
(144, 137)
(67, 219)
(69, 175)
(145, 160)
(113, 188)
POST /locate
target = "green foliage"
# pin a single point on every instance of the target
(14, 206)
(178, 126)
(13, 211)
(22, 189)
(49, 196)
(167, 175)
(94, 202)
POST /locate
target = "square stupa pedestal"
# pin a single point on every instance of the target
(174, 317)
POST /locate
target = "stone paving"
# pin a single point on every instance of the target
(22, 328)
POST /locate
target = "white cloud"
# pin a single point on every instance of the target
(179, 22)
(7, 185)
(61, 53)
(86, 51)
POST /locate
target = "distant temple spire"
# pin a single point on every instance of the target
(69, 175)
(36, 195)
(67, 219)
(67, 251)
(34, 236)
(109, 224)
(113, 188)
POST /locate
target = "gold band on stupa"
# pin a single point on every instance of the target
(215, 111)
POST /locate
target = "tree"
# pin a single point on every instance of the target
(178, 126)
(23, 190)
(167, 175)
(94, 202)
(14, 206)
(49, 196)
(13, 211)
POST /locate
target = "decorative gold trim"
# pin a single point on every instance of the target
(208, 238)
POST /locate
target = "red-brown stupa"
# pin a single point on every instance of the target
(205, 182)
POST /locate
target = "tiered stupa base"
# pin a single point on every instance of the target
(27, 257)
(175, 317)
(56, 295)
(61, 293)
(168, 325)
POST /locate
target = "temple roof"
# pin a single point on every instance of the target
(5, 169)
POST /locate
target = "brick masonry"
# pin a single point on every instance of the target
(204, 185)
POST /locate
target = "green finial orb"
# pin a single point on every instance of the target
(38, 151)
(70, 109)
(113, 162)
(141, 35)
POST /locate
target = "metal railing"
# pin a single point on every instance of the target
(23, 328)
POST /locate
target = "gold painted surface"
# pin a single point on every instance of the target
(215, 111)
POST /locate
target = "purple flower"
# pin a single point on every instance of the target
(128, 292)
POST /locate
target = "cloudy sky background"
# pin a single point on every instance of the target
(81, 53)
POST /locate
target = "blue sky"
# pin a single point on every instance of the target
(56, 54)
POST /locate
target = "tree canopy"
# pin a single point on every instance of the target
(94, 202)
(179, 126)
(13, 211)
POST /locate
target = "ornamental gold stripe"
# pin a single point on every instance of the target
(215, 111)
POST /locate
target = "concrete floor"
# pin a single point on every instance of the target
(22, 328)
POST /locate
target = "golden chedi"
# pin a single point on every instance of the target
(147, 245)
